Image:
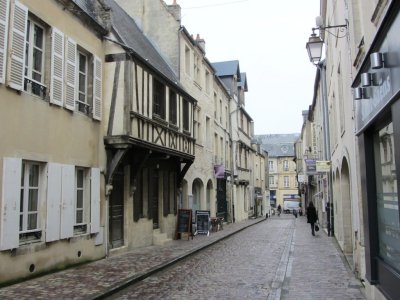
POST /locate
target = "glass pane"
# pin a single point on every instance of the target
(34, 176)
(28, 26)
(79, 216)
(32, 221)
(82, 83)
(21, 201)
(79, 179)
(22, 174)
(38, 37)
(33, 200)
(81, 98)
(38, 77)
(387, 197)
(37, 60)
(21, 221)
(79, 199)
(82, 63)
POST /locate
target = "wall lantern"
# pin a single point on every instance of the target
(314, 48)
(360, 93)
(366, 79)
(377, 60)
(315, 43)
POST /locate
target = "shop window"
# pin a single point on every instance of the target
(387, 197)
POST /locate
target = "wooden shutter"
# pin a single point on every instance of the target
(97, 88)
(54, 175)
(4, 5)
(68, 201)
(70, 74)
(95, 200)
(10, 203)
(15, 78)
(57, 67)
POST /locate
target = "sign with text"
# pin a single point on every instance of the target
(203, 221)
(323, 166)
(311, 168)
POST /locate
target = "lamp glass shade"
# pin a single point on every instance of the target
(314, 48)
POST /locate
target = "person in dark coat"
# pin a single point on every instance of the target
(312, 216)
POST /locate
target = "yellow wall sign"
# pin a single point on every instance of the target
(323, 166)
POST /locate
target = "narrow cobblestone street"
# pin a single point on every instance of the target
(278, 259)
(272, 259)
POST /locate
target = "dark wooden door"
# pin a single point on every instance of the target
(116, 211)
(154, 188)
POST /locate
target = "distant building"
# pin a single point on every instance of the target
(281, 166)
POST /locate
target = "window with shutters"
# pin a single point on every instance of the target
(29, 216)
(82, 200)
(34, 72)
(84, 98)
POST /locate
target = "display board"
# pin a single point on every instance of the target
(184, 223)
(203, 221)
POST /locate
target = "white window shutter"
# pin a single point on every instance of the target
(70, 74)
(97, 88)
(68, 201)
(95, 200)
(4, 6)
(57, 67)
(54, 179)
(10, 203)
(15, 76)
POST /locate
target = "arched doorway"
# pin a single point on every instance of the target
(209, 195)
(346, 208)
(197, 192)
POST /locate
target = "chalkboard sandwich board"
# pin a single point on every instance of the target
(203, 221)
(184, 224)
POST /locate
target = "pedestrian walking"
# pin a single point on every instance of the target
(312, 216)
(295, 212)
(279, 210)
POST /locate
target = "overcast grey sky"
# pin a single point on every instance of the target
(268, 38)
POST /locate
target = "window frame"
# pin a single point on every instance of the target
(158, 99)
(29, 46)
(25, 234)
(86, 104)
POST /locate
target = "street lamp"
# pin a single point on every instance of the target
(315, 43)
(314, 48)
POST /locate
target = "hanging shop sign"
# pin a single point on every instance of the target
(323, 166)
(311, 168)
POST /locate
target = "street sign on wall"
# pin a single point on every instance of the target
(323, 166)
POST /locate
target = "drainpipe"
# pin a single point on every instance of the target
(327, 146)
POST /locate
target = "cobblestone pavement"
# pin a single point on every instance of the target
(276, 258)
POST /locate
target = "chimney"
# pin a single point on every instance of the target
(175, 10)
(201, 43)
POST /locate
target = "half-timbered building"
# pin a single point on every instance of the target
(148, 137)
